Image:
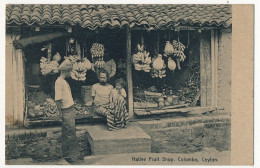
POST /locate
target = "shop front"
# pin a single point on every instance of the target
(171, 63)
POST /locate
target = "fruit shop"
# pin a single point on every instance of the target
(170, 64)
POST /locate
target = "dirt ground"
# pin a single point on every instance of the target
(209, 156)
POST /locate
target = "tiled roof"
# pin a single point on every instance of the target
(93, 16)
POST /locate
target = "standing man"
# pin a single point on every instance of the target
(65, 104)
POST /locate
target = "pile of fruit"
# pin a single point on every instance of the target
(50, 109)
(142, 60)
(79, 109)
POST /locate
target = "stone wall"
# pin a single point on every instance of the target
(173, 135)
(187, 135)
(41, 144)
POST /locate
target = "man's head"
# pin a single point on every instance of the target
(66, 68)
(103, 75)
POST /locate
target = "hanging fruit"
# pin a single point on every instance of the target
(178, 52)
(158, 63)
(97, 51)
(171, 64)
(50, 67)
(142, 59)
(169, 50)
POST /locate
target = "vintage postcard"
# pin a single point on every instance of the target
(129, 84)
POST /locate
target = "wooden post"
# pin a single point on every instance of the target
(214, 63)
(205, 69)
(213, 74)
(129, 73)
(216, 68)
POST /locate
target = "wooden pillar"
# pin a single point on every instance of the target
(129, 73)
(15, 82)
(214, 63)
(9, 108)
(205, 69)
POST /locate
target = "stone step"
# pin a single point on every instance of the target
(128, 140)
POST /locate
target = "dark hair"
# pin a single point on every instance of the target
(120, 81)
(103, 71)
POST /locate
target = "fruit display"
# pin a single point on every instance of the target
(169, 50)
(142, 59)
(50, 108)
(79, 109)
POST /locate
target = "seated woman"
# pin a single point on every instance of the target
(115, 111)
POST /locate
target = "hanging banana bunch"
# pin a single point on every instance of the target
(97, 52)
(178, 52)
(142, 59)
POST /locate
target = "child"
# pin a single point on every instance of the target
(118, 93)
(118, 104)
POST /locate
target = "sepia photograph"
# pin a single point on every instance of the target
(118, 84)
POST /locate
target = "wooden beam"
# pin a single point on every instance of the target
(37, 39)
(129, 73)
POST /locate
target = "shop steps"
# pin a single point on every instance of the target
(128, 140)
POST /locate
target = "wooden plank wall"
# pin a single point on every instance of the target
(205, 69)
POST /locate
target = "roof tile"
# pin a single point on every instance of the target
(93, 16)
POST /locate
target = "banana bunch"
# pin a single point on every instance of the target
(179, 50)
(78, 71)
(79, 76)
(48, 67)
(97, 50)
(100, 64)
(142, 59)
(144, 67)
(178, 46)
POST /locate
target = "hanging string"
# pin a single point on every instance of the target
(188, 39)
(158, 43)
(178, 36)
